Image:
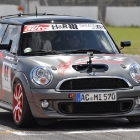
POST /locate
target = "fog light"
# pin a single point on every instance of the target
(70, 95)
(44, 104)
(138, 101)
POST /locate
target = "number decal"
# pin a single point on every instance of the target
(6, 76)
(6, 72)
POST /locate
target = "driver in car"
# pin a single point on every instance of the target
(73, 41)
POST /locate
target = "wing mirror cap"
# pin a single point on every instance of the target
(125, 43)
(6, 46)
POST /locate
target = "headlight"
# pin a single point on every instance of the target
(135, 72)
(41, 75)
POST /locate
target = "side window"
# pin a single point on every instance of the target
(12, 33)
(2, 30)
(103, 42)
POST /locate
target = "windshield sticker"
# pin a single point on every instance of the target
(65, 26)
(35, 28)
(62, 27)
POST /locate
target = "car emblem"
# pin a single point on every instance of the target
(92, 73)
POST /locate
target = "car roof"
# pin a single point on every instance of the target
(46, 18)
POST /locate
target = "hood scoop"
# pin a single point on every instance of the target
(90, 68)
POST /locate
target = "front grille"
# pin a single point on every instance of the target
(95, 108)
(93, 83)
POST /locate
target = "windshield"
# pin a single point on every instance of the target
(67, 40)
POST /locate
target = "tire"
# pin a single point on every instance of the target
(21, 111)
(135, 119)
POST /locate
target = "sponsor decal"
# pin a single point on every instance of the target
(92, 73)
(62, 27)
(63, 66)
(6, 76)
(82, 60)
(35, 28)
(104, 59)
(93, 26)
(9, 58)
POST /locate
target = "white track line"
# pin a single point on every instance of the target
(103, 131)
(26, 133)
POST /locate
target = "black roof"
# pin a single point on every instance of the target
(47, 18)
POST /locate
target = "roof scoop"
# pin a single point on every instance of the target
(89, 67)
(84, 68)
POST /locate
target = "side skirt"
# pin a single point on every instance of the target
(6, 106)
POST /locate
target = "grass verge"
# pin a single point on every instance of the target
(126, 33)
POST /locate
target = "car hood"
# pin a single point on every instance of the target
(65, 66)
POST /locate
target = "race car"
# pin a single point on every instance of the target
(57, 67)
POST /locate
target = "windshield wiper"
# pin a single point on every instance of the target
(87, 50)
(42, 52)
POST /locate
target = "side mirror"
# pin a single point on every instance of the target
(6, 46)
(125, 43)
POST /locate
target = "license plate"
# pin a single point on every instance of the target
(96, 97)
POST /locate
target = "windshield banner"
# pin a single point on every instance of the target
(62, 27)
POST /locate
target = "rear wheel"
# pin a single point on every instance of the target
(21, 111)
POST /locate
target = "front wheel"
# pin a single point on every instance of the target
(21, 111)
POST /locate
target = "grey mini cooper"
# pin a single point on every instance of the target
(64, 68)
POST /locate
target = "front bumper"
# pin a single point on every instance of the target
(55, 98)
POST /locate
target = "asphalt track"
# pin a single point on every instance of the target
(109, 129)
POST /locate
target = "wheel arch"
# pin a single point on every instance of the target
(23, 79)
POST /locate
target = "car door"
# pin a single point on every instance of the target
(9, 57)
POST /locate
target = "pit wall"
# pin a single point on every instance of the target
(123, 16)
(9, 9)
(91, 12)
(114, 16)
